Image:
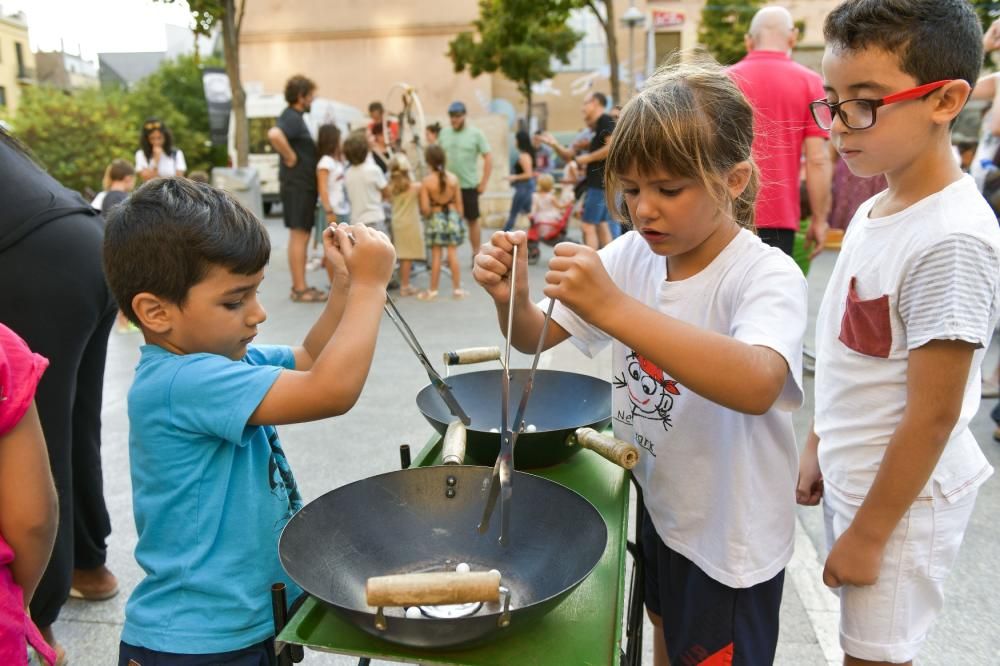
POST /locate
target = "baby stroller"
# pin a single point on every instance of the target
(548, 230)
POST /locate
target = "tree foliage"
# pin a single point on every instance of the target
(518, 38)
(723, 25)
(77, 135)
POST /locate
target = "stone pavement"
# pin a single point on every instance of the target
(364, 442)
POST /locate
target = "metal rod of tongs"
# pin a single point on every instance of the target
(501, 477)
(442, 387)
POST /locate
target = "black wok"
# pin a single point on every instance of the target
(405, 522)
(560, 403)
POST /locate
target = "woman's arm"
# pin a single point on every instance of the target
(322, 186)
(28, 506)
(425, 201)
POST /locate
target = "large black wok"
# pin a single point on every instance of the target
(424, 520)
(560, 403)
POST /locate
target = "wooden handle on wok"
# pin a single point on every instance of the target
(453, 448)
(432, 589)
(620, 453)
(472, 355)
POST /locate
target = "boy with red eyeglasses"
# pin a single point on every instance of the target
(904, 323)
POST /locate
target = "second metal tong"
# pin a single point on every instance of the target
(503, 468)
(442, 387)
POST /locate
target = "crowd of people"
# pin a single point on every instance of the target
(703, 167)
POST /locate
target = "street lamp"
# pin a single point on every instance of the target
(632, 19)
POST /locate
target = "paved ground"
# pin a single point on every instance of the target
(365, 442)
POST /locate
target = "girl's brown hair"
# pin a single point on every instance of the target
(693, 122)
(436, 160)
(328, 140)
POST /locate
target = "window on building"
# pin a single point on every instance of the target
(20, 59)
(3, 96)
(591, 52)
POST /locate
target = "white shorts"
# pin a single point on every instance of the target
(889, 620)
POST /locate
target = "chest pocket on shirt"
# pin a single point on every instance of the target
(866, 327)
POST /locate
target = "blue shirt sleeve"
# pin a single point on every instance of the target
(216, 395)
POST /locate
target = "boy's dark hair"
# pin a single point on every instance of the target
(375, 106)
(170, 233)
(601, 98)
(120, 170)
(933, 39)
(356, 147)
(296, 87)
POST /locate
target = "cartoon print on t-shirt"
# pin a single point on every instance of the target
(650, 392)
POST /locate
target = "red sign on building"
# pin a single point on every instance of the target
(667, 19)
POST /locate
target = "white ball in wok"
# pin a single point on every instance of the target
(463, 567)
(531, 427)
(413, 612)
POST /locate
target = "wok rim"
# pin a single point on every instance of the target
(536, 605)
(440, 426)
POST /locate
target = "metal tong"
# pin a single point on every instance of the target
(404, 329)
(443, 389)
(500, 482)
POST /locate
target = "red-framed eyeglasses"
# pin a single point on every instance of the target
(859, 114)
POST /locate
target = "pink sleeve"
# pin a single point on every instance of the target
(20, 371)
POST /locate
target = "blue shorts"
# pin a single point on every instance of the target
(595, 207)
(259, 654)
(702, 618)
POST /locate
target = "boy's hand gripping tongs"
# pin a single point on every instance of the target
(442, 387)
(500, 483)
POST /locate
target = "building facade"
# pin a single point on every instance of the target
(17, 62)
(358, 50)
(66, 71)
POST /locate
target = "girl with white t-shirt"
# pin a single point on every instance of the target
(157, 157)
(706, 326)
(330, 175)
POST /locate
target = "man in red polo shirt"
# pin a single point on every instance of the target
(780, 89)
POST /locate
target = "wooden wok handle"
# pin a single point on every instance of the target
(472, 355)
(432, 589)
(453, 448)
(620, 453)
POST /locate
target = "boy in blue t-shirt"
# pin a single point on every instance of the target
(210, 483)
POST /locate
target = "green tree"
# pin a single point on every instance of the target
(518, 38)
(76, 136)
(228, 16)
(175, 94)
(723, 26)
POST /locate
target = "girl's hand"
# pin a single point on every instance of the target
(331, 217)
(578, 279)
(493, 264)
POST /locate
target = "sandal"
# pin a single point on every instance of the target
(408, 290)
(308, 295)
(427, 295)
(459, 294)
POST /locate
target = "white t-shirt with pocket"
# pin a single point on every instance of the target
(719, 485)
(929, 272)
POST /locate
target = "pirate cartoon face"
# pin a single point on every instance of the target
(649, 390)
